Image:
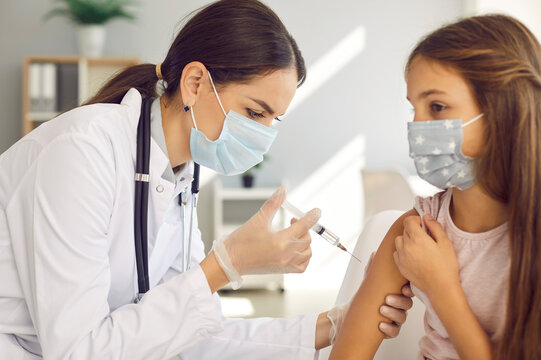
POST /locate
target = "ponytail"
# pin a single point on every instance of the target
(235, 39)
(141, 77)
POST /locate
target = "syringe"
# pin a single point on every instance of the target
(319, 229)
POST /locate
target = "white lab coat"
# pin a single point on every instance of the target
(67, 266)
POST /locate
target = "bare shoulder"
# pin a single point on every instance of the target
(398, 226)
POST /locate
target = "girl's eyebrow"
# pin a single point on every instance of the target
(426, 93)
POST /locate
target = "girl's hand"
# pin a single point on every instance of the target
(428, 262)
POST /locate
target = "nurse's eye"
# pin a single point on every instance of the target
(253, 114)
(435, 107)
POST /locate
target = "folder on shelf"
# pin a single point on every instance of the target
(68, 86)
(34, 86)
(49, 87)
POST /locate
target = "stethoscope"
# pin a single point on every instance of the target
(142, 178)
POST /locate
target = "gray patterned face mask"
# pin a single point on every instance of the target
(436, 149)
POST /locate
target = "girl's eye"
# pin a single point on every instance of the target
(254, 114)
(435, 107)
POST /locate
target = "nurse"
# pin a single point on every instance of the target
(67, 257)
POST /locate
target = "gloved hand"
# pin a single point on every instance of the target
(256, 249)
(395, 309)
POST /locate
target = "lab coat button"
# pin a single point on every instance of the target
(159, 188)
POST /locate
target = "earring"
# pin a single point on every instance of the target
(186, 108)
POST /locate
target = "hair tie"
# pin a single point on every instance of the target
(159, 71)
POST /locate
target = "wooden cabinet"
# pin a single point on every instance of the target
(52, 84)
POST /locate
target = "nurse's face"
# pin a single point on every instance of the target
(262, 99)
(439, 92)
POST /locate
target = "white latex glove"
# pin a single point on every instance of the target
(256, 249)
(337, 315)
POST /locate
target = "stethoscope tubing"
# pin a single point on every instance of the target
(141, 197)
(142, 177)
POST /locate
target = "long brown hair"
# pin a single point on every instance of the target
(501, 59)
(235, 39)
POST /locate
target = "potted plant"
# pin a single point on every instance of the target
(248, 176)
(90, 16)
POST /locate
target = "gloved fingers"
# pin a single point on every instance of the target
(397, 316)
(306, 236)
(300, 268)
(271, 206)
(301, 260)
(299, 245)
(304, 254)
(304, 224)
(389, 330)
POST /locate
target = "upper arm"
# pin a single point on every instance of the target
(360, 337)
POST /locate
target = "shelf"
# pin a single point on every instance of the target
(69, 83)
(41, 116)
(246, 193)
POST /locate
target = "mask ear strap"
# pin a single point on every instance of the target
(193, 118)
(473, 120)
(215, 92)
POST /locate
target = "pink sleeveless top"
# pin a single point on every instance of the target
(484, 263)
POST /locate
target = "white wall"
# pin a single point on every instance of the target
(527, 11)
(366, 96)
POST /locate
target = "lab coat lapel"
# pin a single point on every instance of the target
(160, 192)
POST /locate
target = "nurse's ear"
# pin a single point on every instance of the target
(192, 82)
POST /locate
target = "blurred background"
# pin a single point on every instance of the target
(342, 145)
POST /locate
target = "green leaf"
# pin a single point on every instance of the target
(92, 11)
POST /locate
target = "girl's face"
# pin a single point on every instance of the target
(439, 92)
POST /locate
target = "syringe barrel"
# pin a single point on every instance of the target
(328, 235)
(318, 228)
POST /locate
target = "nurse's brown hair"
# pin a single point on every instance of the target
(500, 58)
(235, 39)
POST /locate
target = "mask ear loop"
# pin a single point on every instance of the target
(216, 93)
(473, 120)
(193, 118)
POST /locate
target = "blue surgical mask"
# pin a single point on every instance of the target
(436, 149)
(241, 145)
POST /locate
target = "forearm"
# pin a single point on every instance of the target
(362, 321)
(360, 337)
(467, 335)
(214, 273)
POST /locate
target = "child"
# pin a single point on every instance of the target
(472, 251)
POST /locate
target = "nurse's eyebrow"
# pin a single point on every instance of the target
(426, 93)
(264, 105)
